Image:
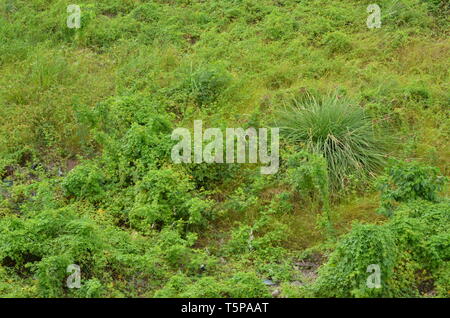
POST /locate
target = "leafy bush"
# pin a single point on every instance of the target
(247, 285)
(92, 288)
(406, 181)
(308, 175)
(208, 175)
(423, 227)
(263, 239)
(412, 247)
(46, 244)
(206, 287)
(115, 116)
(345, 274)
(164, 197)
(174, 286)
(133, 135)
(85, 182)
(51, 274)
(241, 285)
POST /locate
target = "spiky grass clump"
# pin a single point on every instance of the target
(337, 129)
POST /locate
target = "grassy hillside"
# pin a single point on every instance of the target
(86, 176)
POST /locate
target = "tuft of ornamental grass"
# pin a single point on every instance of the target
(334, 127)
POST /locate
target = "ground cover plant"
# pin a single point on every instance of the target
(358, 207)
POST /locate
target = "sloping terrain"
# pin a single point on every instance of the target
(86, 176)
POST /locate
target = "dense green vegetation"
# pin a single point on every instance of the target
(86, 176)
(337, 130)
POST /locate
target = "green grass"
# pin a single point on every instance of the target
(340, 131)
(85, 120)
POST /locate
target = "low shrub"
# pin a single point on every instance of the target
(406, 181)
(412, 252)
(165, 197)
(84, 182)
